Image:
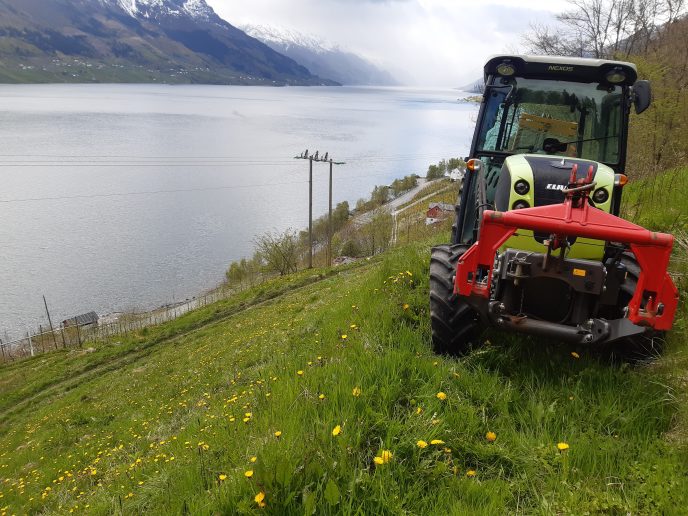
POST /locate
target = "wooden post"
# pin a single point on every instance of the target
(310, 213)
(50, 321)
(329, 224)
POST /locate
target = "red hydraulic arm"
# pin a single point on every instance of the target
(576, 218)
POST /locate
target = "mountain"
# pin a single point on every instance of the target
(477, 86)
(177, 41)
(320, 57)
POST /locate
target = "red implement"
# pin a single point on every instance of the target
(656, 297)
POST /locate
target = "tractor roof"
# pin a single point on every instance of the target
(577, 69)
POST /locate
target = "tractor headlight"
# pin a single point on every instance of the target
(616, 75)
(519, 205)
(600, 196)
(506, 69)
(521, 187)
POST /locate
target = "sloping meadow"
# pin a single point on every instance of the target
(327, 399)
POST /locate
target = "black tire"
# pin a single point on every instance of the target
(455, 326)
(640, 347)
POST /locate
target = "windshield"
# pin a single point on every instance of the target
(553, 117)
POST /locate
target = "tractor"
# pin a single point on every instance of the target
(538, 246)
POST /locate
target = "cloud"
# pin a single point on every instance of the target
(421, 42)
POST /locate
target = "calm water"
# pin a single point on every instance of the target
(127, 197)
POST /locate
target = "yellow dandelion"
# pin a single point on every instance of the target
(441, 396)
(378, 461)
(386, 456)
(278, 433)
(470, 473)
(259, 499)
(249, 473)
(299, 372)
(344, 336)
(253, 459)
(437, 442)
(419, 410)
(447, 450)
(574, 354)
(562, 446)
(491, 436)
(406, 306)
(356, 392)
(422, 444)
(222, 478)
(322, 397)
(336, 430)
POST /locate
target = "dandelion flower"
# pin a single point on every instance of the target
(344, 336)
(447, 450)
(222, 478)
(574, 354)
(322, 397)
(278, 433)
(336, 430)
(299, 372)
(378, 461)
(422, 444)
(419, 410)
(406, 306)
(470, 473)
(259, 499)
(356, 392)
(253, 459)
(386, 456)
(249, 473)
(491, 436)
(562, 446)
(437, 442)
(441, 396)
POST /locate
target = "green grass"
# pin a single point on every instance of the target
(152, 424)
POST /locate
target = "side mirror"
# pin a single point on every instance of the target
(642, 96)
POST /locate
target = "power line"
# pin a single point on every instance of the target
(148, 192)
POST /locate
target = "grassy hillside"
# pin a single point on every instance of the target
(319, 391)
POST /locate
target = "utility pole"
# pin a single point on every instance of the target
(329, 216)
(325, 159)
(49, 321)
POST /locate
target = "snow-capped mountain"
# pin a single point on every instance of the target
(134, 41)
(196, 9)
(321, 57)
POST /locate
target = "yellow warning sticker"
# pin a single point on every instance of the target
(579, 272)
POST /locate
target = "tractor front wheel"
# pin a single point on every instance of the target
(455, 325)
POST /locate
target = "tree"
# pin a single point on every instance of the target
(434, 172)
(279, 251)
(604, 28)
(375, 236)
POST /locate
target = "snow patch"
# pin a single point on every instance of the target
(288, 37)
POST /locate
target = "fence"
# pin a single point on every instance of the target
(108, 329)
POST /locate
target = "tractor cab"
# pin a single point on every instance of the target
(541, 107)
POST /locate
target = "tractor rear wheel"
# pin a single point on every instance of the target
(455, 325)
(651, 343)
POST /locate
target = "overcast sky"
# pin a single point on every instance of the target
(421, 42)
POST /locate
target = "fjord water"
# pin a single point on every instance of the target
(122, 197)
